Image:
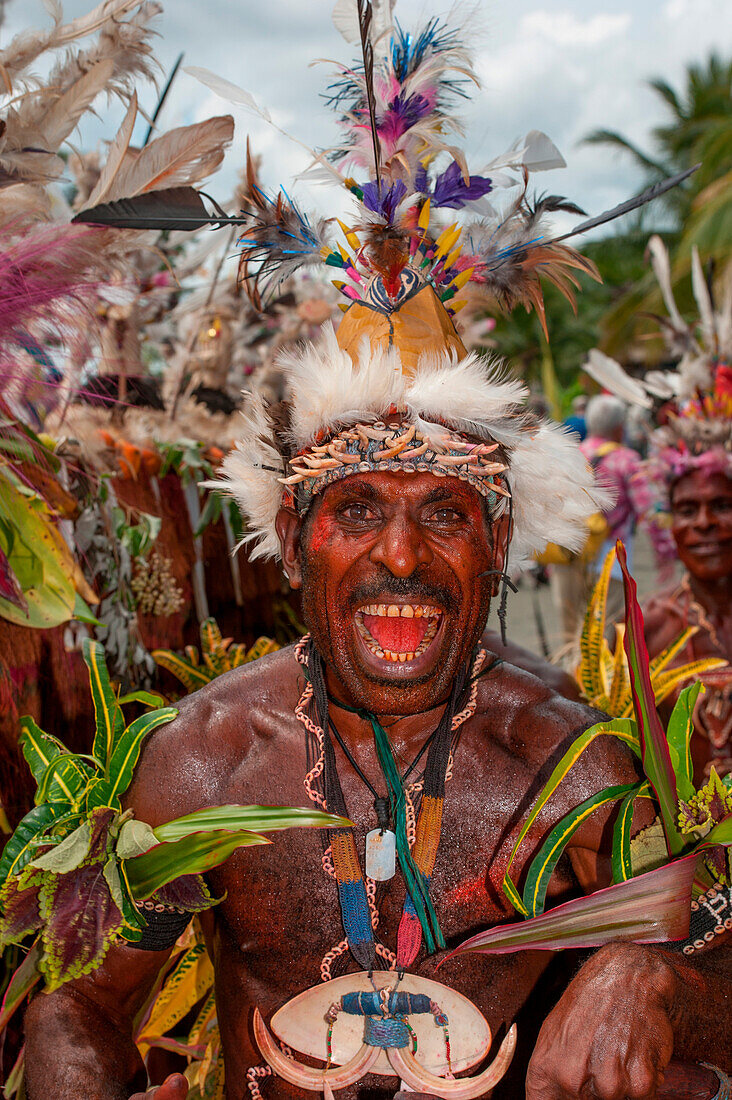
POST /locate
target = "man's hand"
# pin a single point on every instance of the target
(174, 1087)
(611, 1035)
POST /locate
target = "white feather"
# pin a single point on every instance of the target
(553, 490)
(611, 376)
(662, 269)
(327, 388)
(703, 300)
(227, 90)
(256, 490)
(465, 392)
(115, 155)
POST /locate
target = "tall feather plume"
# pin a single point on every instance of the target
(115, 156)
(611, 376)
(704, 302)
(365, 17)
(277, 240)
(177, 158)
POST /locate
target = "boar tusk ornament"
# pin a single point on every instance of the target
(390, 1026)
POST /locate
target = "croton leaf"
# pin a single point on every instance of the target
(10, 588)
(107, 712)
(124, 757)
(651, 908)
(40, 751)
(22, 982)
(80, 915)
(678, 734)
(189, 981)
(22, 844)
(654, 747)
(19, 906)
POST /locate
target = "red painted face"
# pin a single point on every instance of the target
(701, 511)
(392, 591)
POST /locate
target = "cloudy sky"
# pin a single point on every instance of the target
(562, 66)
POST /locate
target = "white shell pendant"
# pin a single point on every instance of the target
(380, 855)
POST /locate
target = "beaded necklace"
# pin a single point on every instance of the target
(417, 838)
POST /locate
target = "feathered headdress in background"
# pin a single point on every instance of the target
(396, 389)
(691, 405)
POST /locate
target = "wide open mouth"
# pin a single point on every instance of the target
(398, 632)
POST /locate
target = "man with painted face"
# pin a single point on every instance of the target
(396, 521)
(700, 500)
(397, 483)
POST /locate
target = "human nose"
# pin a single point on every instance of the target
(705, 517)
(401, 547)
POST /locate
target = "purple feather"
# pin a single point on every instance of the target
(450, 188)
(386, 202)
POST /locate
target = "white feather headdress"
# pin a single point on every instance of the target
(549, 481)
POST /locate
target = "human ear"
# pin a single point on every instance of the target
(289, 527)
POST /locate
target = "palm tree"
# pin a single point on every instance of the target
(698, 130)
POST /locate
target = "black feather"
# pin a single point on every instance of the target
(631, 204)
(169, 208)
(549, 204)
(365, 17)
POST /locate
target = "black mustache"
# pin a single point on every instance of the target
(412, 589)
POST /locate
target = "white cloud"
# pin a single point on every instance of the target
(567, 30)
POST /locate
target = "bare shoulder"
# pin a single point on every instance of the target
(556, 678)
(535, 725)
(186, 763)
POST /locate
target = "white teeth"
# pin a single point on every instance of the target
(406, 611)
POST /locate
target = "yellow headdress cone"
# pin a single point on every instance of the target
(419, 324)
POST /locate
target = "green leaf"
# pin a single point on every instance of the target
(66, 771)
(678, 734)
(39, 750)
(69, 854)
(118, 888)
(210, 513)
(622, 862)
(623, 728)
(720, 834)
(147, 698)
(19, 849)
(654, 747)
(651, 908)
(259, 819)
(135, 838)
(193, 855)
(129, 746)
(22, 982)
(84, 614)
(542, 866)
(124, 758)
(108, 715)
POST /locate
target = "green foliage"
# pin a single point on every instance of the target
(77, 864)
(686, 816)
(218, 656)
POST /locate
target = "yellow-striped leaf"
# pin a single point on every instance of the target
(183, 989)
(107, 712)
(542, 866)
(622, 862)
(624, 729)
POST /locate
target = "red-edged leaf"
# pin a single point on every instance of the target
(654, 747)
(20, 908)
(652, 908)
(21, 983)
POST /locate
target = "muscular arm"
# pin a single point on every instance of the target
(79, 1039)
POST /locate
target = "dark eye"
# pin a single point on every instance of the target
(684, 511)
(446, 515)
(357, 513)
